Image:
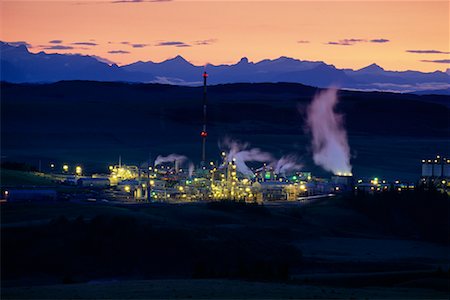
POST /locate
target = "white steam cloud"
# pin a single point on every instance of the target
(242, 153)
(287, 164)
(191, 169)
(170, 158)
(329, 138)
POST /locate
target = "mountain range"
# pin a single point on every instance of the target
(19, 65)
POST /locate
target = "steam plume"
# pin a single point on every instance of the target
(242, 154)
(170, 158)
(191, 169)
(287, 164)
(329, 138)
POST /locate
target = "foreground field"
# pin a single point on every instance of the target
(212, 289)
(329, 248)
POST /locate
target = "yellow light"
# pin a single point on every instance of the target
(443, 181)
(247, 190)
(152, 182)
(302, 187)
(78, 170)
(399, 189)
(127, 188)
(438, 156)
(211, 163)
(180, 188)
(423, 160)
(111, 168)
(65, 168)
(144, 185)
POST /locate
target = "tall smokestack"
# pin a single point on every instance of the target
(204, 134)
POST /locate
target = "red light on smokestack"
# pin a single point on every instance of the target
(205, 74)
(204, 134)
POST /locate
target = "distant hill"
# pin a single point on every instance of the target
(93, 123)
(19, 65)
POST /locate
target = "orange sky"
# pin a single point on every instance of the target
(231, 30)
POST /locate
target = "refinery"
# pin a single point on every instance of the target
(175, 178)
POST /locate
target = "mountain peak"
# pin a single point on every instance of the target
(243, 60)
(372, 68)
(178, 59)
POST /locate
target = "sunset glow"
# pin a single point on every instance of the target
(346, 34)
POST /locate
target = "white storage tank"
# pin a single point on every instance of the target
(446, 169)
(437, 169)
(427, 169)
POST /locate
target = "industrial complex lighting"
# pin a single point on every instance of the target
(65, 168)
(78, 170)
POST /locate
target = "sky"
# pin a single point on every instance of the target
(403, 35)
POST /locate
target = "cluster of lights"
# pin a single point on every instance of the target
(344, 174)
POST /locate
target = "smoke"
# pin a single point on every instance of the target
(191, 169)
(329, 138)
(241, 154)
(170, 158)
(287, 164)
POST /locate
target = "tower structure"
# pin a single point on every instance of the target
(204, 133)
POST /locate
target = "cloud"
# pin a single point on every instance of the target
(379, 41)
(58, 47)
(118, 52)
(139, 45)
(55, 41)
(347, 42)
(351, 42)
(175, 81)
(438, 61)
(139, 1)
(20, 43)
(205, 42)
(173, 43)
(85, 43)
(303, 42)
(427, 51)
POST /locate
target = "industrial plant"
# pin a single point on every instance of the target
(175, 178)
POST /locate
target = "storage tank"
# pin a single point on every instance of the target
(427, 169)
(446, 169)
(437, 169)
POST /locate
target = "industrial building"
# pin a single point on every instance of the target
(436, 173)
